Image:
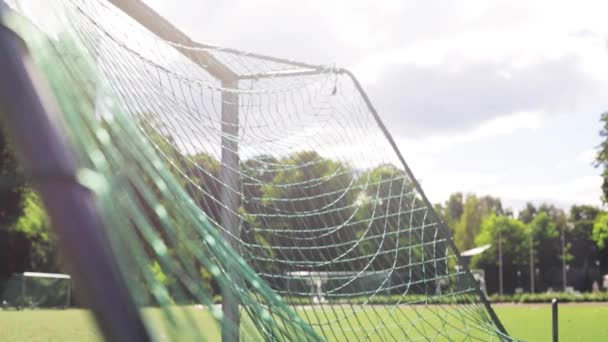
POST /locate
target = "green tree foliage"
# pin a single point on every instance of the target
(513, 236)
(545, 242)
(387, 204)
(203, 182)
(490, 205)
(454, 208)
(527, 214)
(475, 211)
(197, 173)
(464, 215)
(583, 218)
(34, 224)
(13, 246)
(600, 231)
(11, 189)
(317, 194)
(469, 225)
(257, 173)
(557, 215)
(530, 211)
(601, 157)
(580, 237)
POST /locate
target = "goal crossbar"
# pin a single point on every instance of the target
(46, 275)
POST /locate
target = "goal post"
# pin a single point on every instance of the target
(50, 290)
(37, 290)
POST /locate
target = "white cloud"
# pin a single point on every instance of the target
(439, 185)
(489, 129)
(428, 66)
(502, 125)
(514, 194)
(581, 190)
(587, 156)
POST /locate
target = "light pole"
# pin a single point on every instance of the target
(519, 286)
(563, 241)
(567, 269)
(531, 263)
(500, 283)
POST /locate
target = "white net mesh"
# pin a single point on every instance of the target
(292, 164)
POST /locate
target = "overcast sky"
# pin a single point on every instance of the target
(499, 98)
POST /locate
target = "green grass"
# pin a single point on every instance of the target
(47, 325)
(578, 322)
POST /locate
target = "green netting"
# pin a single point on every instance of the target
(303, 210)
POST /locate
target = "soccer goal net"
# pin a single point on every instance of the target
(266, 190)
(37, 290)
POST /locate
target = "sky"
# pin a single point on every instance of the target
(498, 98)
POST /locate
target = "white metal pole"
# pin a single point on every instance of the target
(500, 268)
(531, 263)
(563, 238)
(230, 199)
(67, 304)
(23, 290)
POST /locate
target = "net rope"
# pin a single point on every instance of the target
(321, 231)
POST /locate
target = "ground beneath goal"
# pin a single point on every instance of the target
(529, 322)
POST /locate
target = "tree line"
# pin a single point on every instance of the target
(545, 236)
(358, 213)
(299, 212)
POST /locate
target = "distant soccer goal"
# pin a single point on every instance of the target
(45, 290)
(203, 175)
(337, 286)
(31, 290)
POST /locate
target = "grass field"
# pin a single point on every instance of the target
(578, 322)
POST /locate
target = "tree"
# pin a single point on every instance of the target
(14, 247)
(601, 157)
(309, 202)
(600, 231)
(35, 225)
(580, 237)
(198, 174)
(464, 216)
(470, 224)
(557, 214)
(203, 182)
(511, 233)
(258, 172)
(387, 206)
(11, 191)
(546, 245)
(527, 214)
(475, 210)
(396, 231)
(600, 237)
(490, 205)
(583, 218)
(455, 206)
(452, 211)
